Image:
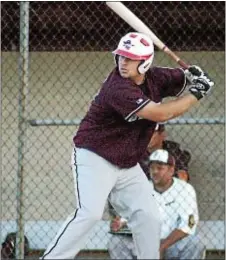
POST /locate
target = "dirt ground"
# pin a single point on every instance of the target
(214, 255)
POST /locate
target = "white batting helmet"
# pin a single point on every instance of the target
(136, 46)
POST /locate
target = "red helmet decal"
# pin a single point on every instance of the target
(144, 42)
(132, 35)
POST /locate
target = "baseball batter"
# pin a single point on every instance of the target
(112, 138)
(179, 216)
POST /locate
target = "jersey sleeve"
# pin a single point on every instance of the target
(127, 100)
(173, 81)
(188, 211)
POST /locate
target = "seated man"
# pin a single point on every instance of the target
(178, 210)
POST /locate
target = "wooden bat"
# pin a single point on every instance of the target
(139, 26)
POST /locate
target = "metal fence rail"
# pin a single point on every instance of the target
(55, 55)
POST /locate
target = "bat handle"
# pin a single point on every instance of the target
(175, 57)
(182, 64)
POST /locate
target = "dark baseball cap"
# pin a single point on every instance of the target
(162, 156)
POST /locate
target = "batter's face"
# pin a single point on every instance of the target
(128, 69)
(161, 174)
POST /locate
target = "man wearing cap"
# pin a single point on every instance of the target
(159, 141)
(179, 217)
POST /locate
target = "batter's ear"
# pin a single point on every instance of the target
(138, 70)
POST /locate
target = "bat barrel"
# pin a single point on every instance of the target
(139, 26)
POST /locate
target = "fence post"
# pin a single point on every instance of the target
(23, 84)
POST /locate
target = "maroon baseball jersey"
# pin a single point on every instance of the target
(111, 128)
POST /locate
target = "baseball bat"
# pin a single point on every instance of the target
(139, 26)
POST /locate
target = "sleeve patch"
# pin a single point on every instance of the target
(139, 101)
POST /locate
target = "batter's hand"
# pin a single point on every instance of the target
(202, 86)
(193, 73)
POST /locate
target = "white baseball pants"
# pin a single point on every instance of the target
(95, 180)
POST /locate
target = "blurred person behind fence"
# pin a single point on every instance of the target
(159, 141)
(8, 247)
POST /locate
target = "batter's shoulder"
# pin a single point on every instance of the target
(113, 85)
(173, 77)
(163, 70)
(155, 73)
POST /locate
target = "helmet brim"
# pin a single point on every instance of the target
(130, 55)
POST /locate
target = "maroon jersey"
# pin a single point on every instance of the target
(111, 128)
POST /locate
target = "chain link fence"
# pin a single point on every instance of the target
(55, 55)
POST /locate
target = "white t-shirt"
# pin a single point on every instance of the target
(178, 208)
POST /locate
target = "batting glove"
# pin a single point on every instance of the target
(201, 87)
(193, 73)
